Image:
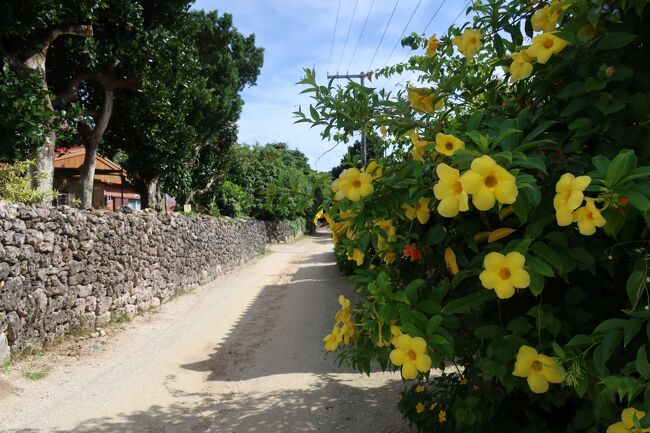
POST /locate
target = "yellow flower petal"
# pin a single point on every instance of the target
(537, 383)
(409, 371)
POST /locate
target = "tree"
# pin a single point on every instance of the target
(27, 31)
(187, 112)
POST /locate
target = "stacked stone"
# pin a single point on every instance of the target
(64, 269)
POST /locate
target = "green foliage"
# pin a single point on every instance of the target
(233, 200)
(587, 305)
(15, 184)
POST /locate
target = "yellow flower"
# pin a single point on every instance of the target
(588, 218)
(501, 233)
(422, 99)
(449, 190)
(626, 425)
(469, 43)
(521, 67)
(538, 369)
(387, 226)
(347, 331)
(487, 181)
(544, 46)
(432, 46)
(419, 408)
(352, 184)
(433, 405)
(333, 339)
(418, 145)
(421, 210)
(410, 354)
(374, 169)
(442, 416)
(542, 20)
(447, 144)
(450, 261)
(389, 257)
(568, 196)
(345, 313)
(419, 388)
(504, 273)
(357, 256)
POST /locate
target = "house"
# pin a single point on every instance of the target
(112, 189)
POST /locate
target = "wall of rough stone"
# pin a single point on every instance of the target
(63, 269)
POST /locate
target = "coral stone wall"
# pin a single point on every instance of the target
(64, 269)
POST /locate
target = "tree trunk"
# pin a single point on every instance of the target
(87, 169)
(152, 197)
(43, 179)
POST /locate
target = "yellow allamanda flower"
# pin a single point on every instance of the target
(504, 273)
(442, 416)
(333, 339)
(418, 145)
(424, 100)
(388, 227)
(373, 169)
(449, 190)
(468, 43)
(544, 46)
(521, 66)
(538, 369)
(345, 313)
(410, 354)
(450, 261)
(447, 144)
(545, 19)
(352, 184)
(569, 196)
(588, 218)
(357, 256)
(420, 211)
(432, 46)
(626, 424)
(419, 408)
(348, 330)
(488, 182)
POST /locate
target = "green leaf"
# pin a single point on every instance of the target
(572, 90)
(548, 254)
(536, 283)
(631, 328)
(488, 332)
(469, 302)
(609, 325)
(539, 266)
(614, 40)
(581, 340)
(412, 288)
(620, 167)
(601, 163)
(642, 364)
(435, 235)
(401, 297)
(634, 286)
(434, 324)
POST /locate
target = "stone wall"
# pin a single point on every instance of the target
(64, 269)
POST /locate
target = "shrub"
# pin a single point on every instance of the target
(15, 184)
(233, 200)
(505, 234)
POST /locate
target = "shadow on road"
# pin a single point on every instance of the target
(321, 409)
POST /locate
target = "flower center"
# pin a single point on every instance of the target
(490, 181)
(411, 355)
(548, 43)
(449, 145)
(418, 205)
(458, 188)
(537, 366)
(356, 183)
(590, 216)
(504, 273)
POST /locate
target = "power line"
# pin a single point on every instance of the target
(347, 37)
(403, 33)
(382, 35)
(336, 24)
(361, 34)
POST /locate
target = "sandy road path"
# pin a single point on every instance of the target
(241, 354)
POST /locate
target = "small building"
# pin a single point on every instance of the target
(112, 189)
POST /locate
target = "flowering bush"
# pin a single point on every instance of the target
(506, 234)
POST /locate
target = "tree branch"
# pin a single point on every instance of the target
(83, 30)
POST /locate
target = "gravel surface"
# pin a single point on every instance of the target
(241, 354)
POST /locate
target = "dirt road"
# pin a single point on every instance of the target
(241, 354)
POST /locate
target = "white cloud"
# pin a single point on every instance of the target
(297, 34)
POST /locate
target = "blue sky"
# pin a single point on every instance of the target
(297, 34)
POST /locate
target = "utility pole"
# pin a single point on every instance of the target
(362, 77)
